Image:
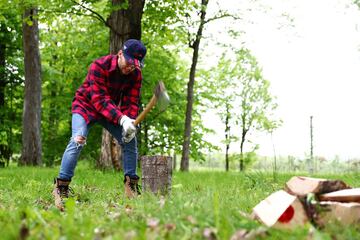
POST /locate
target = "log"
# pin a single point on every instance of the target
(156, 174)
(301, 186)
(347, 195)
(335, 212)
(281, 210)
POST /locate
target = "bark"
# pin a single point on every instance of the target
(143, 140)
(52, 116)
(145, 127)
(302, 186)
(156, 174)
(227, 137)
(107, 150)
(2, 68)
(31, 138)
(5, 150)
(184, 165)
(174, 161)
(242, 150)
(242, 141)
(116, 155)
(125, 24)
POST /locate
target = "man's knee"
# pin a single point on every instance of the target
(79, 140)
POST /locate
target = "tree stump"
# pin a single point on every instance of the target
(156, 174)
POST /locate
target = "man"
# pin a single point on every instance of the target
(111, 80)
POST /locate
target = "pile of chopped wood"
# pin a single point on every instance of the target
(310, 200)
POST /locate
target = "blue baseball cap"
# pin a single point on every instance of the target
(134, 52)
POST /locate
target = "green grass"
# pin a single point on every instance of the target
(199, 201)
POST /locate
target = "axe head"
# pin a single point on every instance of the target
(161, 95)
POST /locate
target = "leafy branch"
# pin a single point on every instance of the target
(220, 16)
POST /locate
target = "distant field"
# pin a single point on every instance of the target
(202, 205)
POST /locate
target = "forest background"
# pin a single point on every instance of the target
(229, 84)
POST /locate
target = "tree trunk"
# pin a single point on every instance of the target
(156, 174)
(31, 138)
(241, 167)
(227, 136)
(5, 149)
(2, 67)
(143, 140)
(190, 90)
(51, 133)
(105, 160)
(146, 137)
(242, 152)
(242, 141)
(126, 24)
(108, 151)
(174, 161)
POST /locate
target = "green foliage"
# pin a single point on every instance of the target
(161, 21)
(250, 158)
(99, 209)
(72, 35)
(165, 42)
(257, 105)
(242, 96)
(69, 41)
(69, 45)
(11, 80)
(164, 129)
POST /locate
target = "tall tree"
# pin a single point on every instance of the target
(125, 23)
(223, 97)
(256, 104)
(31, 150)
(241, 97)
(227, 133)
(195, 44)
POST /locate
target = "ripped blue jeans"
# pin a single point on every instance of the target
(80, 131)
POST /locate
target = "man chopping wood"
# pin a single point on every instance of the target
(109, 96)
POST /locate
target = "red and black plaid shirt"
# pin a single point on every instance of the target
(104, 87)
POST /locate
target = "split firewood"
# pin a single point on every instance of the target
(336, 212)
(347, 195)
(281, 210)
(301, 186)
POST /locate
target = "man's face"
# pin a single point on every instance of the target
(125, 67)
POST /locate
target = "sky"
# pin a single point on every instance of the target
(309, 50)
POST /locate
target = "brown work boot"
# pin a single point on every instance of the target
(132, 188)
(61, 191)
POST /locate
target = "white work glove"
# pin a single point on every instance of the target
(129, 130)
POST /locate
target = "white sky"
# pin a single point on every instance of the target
(314, 69)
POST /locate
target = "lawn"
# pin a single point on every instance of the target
(202, 205)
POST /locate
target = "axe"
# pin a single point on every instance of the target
(160, 97)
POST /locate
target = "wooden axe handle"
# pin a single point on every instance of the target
(147, 109)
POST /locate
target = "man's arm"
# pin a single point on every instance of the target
(99, 94)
